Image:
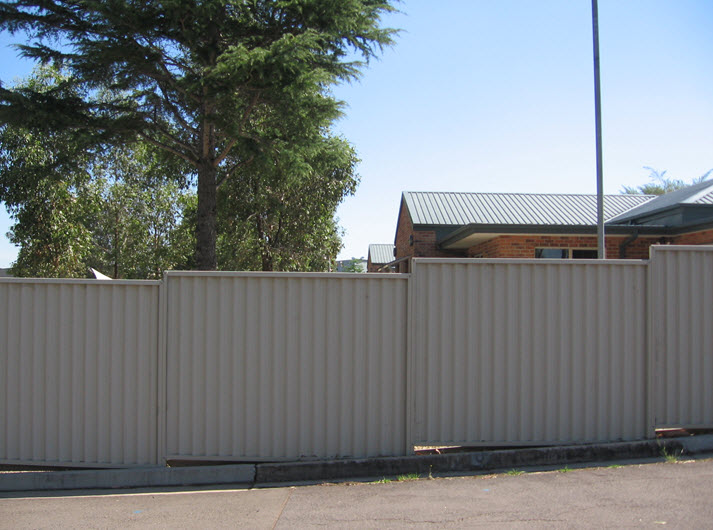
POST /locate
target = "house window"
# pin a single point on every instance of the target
(552, 253)
(584, 253)
(566, 253)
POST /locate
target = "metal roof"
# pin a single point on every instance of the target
(458, 209)
(701, 193)
(381, 253)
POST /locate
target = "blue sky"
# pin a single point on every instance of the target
(497, 96)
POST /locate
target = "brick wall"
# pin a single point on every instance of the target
(424, 241)
(704, 237)
(404, 230)
(523, 246)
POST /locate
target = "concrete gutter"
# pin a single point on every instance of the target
(325, 470)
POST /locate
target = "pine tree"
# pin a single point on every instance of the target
(203, 80)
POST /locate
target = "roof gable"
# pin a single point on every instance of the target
(381, 253)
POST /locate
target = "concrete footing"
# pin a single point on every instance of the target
(281, 472)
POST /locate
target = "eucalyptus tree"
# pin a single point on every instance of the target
(660, 183)
(77, 203)
(279, 214)
(198, 79)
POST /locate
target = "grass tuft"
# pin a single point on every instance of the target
(670, 456)
(409, 476)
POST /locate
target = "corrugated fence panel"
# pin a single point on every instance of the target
(78, 369)
(681, 292)
(516, 352)
(269, 366)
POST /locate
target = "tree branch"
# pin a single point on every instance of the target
(168, 148)
(163, 131)
(231, 143)
(174, 110)
(230, 172)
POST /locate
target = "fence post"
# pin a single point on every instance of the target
(161, 370)
(651, 361)
(410, 346)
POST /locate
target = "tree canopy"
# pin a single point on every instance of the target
(217, 83)
(113, 209)
(661, 184)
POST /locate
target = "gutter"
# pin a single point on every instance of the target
(628, 241)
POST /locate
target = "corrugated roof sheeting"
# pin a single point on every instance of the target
(705, 199)
(701, 193)
(381, 252)
(453, 208)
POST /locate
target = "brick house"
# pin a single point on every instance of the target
(517, 225)
(379, 258)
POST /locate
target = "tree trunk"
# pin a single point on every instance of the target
(265, 254)
(206, 231)
(267, 265)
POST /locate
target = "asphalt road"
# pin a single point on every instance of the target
(677, 495)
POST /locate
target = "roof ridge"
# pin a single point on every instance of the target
(534, 194)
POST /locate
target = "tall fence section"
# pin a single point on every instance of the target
(257, 366)
(529, 353)
(681, 331)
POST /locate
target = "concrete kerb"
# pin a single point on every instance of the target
(127, 478)
(481, 461)
(282, 472)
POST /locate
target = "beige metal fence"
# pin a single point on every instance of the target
(528, 352)
(270, 366)
(78, 372)
(681, 294)
(256, 366)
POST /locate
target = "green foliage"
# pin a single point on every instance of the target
(278, 213)
(354, 265)
(661, 184)
(114, 209)
(215, 83)
(50, 230)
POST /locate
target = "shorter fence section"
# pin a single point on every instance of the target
(274, 366)
(528, 352)
(681, 294)
(78, 372)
